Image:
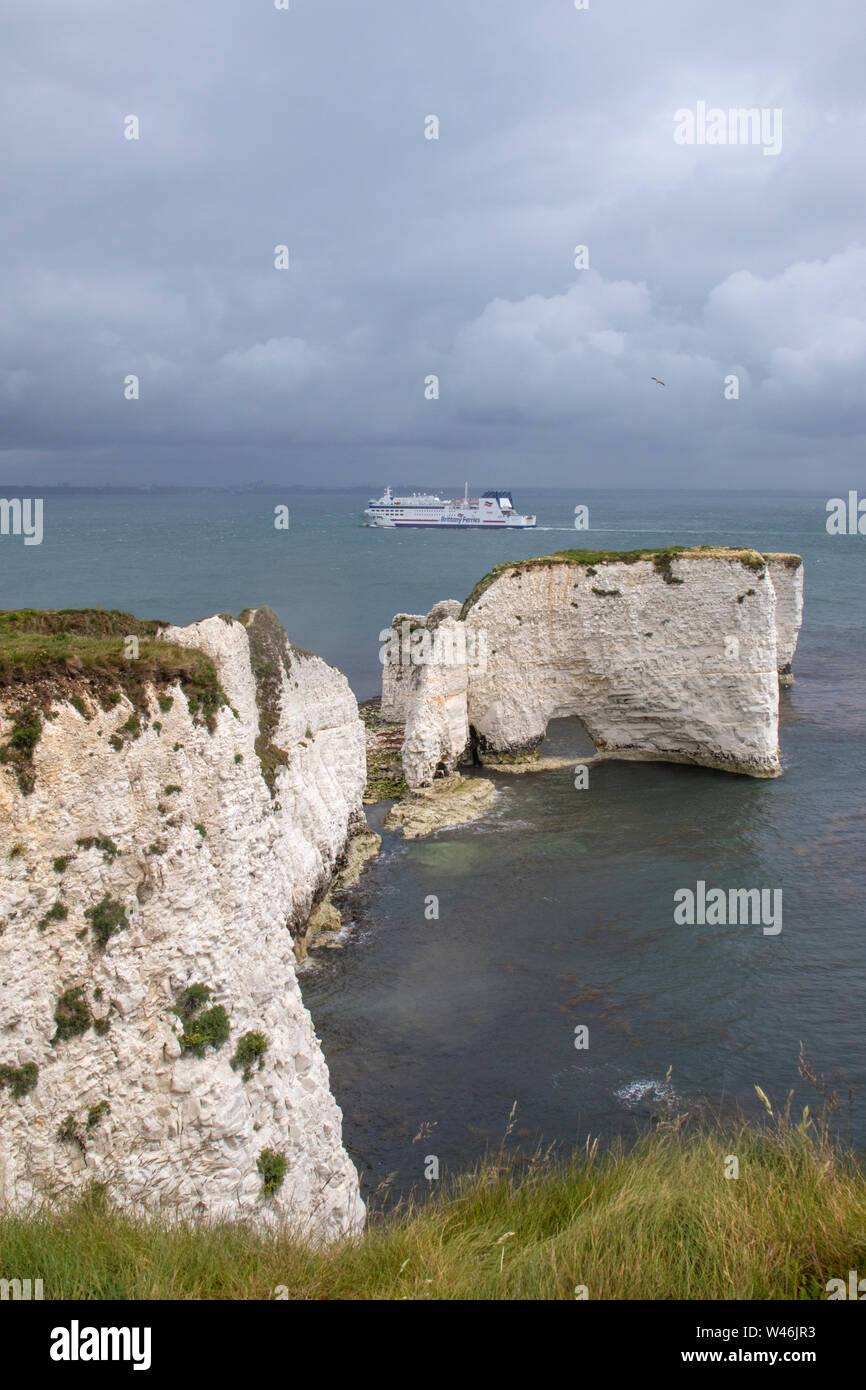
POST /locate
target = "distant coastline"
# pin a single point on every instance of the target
(365, 489)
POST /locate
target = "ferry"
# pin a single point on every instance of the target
(420, 509)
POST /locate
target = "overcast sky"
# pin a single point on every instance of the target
(411, 257)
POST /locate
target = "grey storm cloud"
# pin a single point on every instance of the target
(412, 257)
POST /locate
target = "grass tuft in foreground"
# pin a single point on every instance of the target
(660, 1221)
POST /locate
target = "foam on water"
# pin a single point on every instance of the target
(645, 1094)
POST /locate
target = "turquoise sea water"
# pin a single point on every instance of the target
(557, 909)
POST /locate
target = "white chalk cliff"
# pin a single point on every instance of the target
(213, 867)
(664, 656)
(786, 574)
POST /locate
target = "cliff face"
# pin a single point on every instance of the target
(149, 880)
(671, 656)
(786, 573)
(437, 727)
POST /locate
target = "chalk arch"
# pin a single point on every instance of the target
(664, 656)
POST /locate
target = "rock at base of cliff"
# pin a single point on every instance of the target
(359, 851)
(384, 739)
(448, 802)
(325, 916)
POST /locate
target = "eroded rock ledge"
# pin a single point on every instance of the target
(665, 655)
(451, 801)
(168, 821)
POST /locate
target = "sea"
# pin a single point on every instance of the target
(550, 996)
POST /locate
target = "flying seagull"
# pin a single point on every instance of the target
(656, 380)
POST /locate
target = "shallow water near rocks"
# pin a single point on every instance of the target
(559, 913)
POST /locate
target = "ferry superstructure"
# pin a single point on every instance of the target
(428, 510)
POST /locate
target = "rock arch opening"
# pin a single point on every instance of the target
(567, 737)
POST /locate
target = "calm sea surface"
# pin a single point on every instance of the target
(557, 909)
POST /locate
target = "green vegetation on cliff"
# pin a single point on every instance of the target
(271, 661)
(106, 918)
(69, 654)
(17, 751)
(57, 652)
(20, 1080)
(385, 780)
(784, 557)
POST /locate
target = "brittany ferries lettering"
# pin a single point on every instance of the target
(491, 509)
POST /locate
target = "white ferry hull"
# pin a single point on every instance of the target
(472, 524)
(424, 512)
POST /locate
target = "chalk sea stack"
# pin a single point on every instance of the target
(669, 655)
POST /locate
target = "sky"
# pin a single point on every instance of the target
(734, 273)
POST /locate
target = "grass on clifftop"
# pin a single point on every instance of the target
(70, 654)
(661, 558)
(35, 641)
(89, 645)
(658, 1222)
